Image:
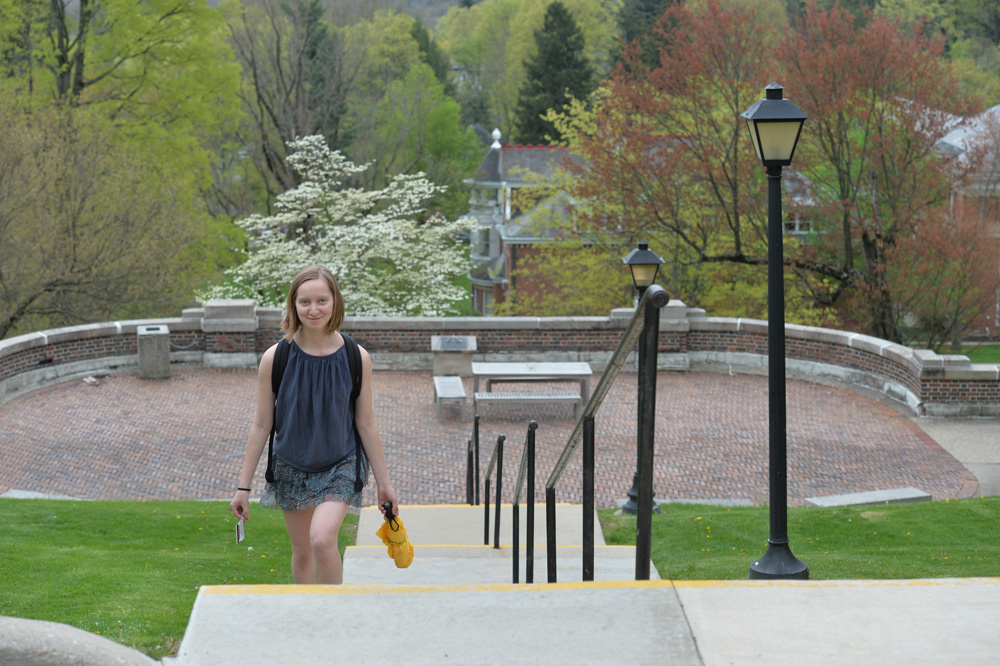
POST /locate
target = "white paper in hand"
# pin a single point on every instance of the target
(239, 530)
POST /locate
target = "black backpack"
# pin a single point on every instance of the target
(278, 370)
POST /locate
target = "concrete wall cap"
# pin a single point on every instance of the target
(230, 308)
(798, 331)
(722, 324)
(21, 343)
(927, 358)
(491, 323)
(902, 355)
(183, 325)
(868, 343)
(989, 371)
(955, 360)
(755, 326)
(580, 323)
(622, 313)
(824, 335)
(83, 332)
(974, 373)
(393, 323)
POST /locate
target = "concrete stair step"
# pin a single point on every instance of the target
(464, 525)
(449, 549)
(567, 623)
(477, 565)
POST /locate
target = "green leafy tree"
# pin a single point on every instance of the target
(401, 119)
(557, 69)
(637, 21)
(88, 228)
(154, 78)
(160, 68)
(297, 76)
(417, 128)
(433, 55)
(490, 42)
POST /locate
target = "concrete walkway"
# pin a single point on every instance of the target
(974, 442)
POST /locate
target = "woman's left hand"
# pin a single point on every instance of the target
(387, 494)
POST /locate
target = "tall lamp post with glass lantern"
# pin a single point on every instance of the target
(775, 124)
(644, 264)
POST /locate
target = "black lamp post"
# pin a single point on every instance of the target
(775, 124)
(644, 265)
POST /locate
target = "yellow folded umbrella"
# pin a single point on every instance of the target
(393, 535)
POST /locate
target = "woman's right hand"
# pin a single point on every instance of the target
(241, 505)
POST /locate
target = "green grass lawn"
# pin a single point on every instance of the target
(957, 538)
(130, 571)
(986, 353)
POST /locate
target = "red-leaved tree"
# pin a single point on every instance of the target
(667, 160)
(670, 160)
(878, 101)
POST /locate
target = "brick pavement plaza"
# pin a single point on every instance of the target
(183, 438)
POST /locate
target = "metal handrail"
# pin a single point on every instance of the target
(604, 385)
(522, 471)
(496, 459)
(584, 431)
(525, 471)
(472, 466)
(654, 296)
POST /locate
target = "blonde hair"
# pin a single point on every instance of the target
(291, 323)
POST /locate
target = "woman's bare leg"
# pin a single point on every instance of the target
(326, 521)
(297, 523)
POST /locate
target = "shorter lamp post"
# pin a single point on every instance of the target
(644, 265)
(775, 124)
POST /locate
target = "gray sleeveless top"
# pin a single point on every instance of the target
(314, 423)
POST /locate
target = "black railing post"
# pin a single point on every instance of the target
(550, 531)
(516, 521)
(496, 515)
(588, 498)
(468, 473)
(486, 520)
(649, 343)
(475, 441)
(529, 558)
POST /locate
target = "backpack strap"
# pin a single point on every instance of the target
(354, 363)
(277, 372)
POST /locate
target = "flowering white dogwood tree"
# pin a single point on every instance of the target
(388, 261)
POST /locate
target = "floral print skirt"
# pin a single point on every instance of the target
(294, 489)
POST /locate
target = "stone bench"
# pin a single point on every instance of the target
(448, 389)
(530, 397)
(892, 496)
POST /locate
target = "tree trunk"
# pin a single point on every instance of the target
(875, 288)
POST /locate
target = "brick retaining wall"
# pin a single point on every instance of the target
(235, 333)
